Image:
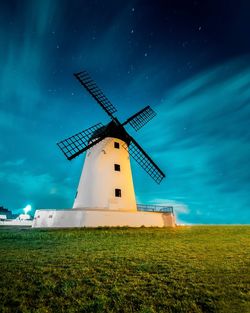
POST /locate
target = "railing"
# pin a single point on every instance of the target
(155, 208)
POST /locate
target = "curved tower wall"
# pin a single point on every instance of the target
(99, 179)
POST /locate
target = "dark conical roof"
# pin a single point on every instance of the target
(112, 130)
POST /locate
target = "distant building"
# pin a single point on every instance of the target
(5, 212)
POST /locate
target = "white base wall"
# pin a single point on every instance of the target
(16, 223)
(100, 218)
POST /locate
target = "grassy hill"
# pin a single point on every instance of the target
(186, 269)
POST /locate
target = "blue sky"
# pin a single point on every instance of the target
(190, 62)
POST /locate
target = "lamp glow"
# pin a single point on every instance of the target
(27, 209)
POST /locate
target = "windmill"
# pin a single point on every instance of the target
(106, 180)
(105, 195)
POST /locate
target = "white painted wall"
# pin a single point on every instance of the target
(98, 217)
(99, 180)
(16, 223)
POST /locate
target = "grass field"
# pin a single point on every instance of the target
(186, 269)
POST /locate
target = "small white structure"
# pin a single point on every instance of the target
(105, 195)
(24, 217)
(22, 220)
(17, 223)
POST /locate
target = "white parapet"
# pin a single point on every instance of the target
(16, 222)
(101, 218)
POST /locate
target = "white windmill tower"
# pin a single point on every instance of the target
(105, 195)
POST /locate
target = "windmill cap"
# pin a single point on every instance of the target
(112, 130)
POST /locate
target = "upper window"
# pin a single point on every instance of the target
(117, 167)
(118, 193)
(117, 145)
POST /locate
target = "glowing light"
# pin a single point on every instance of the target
(27, 209)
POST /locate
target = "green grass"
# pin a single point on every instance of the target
(186, 269)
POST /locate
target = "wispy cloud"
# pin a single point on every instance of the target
(179, 208)
(201, 140)
(34, 186)
(14, 163)
(24, 57)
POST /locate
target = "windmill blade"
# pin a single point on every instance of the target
(88, 83)
(144, 160)
(141, 118)
(78, 143)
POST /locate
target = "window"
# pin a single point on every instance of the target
(117, 145)
(117, 167)
(118, 193)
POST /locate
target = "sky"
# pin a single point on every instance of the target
(189, 60)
